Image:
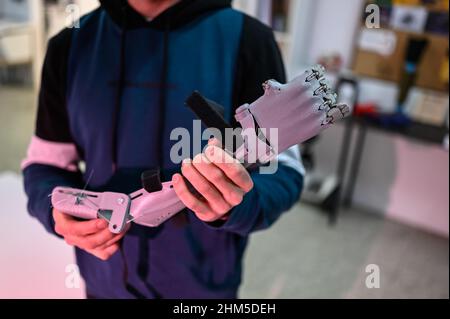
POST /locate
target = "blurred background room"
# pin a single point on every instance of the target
(376, 196)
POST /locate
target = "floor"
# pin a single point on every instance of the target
(301, 256)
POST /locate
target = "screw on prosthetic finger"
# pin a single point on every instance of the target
(336, 113)
(315, 73)
(328, 100)
(324, 88)
(344, 108)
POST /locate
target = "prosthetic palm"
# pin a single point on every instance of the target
(287, 114)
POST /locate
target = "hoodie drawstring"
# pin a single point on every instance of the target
(143, 258)
(120, 86)
(163, 93)
(119, 89)
(144, 249)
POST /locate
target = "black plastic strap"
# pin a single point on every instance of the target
(209, 112)
(151, 181)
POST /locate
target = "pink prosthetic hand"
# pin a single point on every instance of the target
(305, 107)
(286, 115)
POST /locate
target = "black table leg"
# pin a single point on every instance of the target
(356, 163)
(341, 169)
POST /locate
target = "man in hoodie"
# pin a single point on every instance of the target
(112, 91)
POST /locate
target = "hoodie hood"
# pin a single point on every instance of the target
(174, 17)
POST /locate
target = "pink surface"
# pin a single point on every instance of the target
(86, 204)
(63, 199)
(34, 264)
(152, 209)
(62, 155)
(424, 172)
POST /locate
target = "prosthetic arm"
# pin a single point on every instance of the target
(287, 114)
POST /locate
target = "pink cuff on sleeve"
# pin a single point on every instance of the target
(62, 155)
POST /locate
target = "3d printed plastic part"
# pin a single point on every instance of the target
(295, 111)
(150, 206)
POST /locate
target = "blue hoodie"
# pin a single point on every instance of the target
(111, 93)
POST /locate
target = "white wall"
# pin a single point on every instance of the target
(87, 5)
(400, 178)
(330, 27)
(303, 20)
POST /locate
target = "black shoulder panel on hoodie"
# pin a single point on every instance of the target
(52, 122)
(259, 59)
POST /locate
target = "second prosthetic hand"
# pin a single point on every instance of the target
(149, 206)
(285, 115)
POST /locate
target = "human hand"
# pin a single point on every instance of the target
(92, 236)
(221, 180)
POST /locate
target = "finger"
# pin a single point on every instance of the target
(111, 250)
(234, 170)
(189, 200)
(232, 194)
(98, 254)
(71, 240)
(203, 186)
(98, 239)
(113, 240)
(118, 236)
(60, 222)
(214, 142)
(84, 228)
(82, 242)
(104, 254)
(66, 224)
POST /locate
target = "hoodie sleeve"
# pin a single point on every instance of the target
(52, 157)
(259, 60)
